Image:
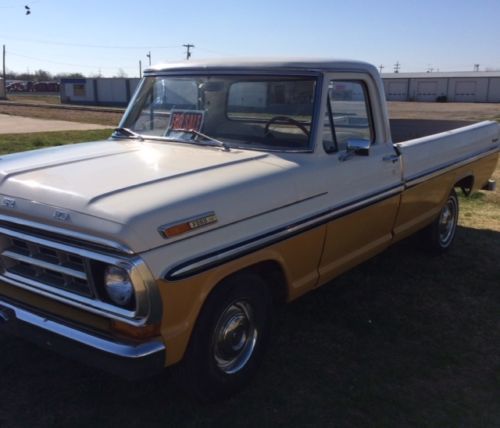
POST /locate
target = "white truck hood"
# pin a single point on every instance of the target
(125, 190)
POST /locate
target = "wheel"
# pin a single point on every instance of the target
(285, 119)
(441, 233)
(229, 339)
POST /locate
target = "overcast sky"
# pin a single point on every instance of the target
(105, 36)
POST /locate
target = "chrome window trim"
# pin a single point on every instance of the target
(148, 301)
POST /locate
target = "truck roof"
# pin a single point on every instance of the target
(287, 64)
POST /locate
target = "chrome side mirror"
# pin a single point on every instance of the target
(358, 146)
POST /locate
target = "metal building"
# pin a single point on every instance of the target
(480, 87)
(98, 91)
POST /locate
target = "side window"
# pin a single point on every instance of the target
(348, 115)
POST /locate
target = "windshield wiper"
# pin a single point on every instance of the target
(197, 134)
(127, 133)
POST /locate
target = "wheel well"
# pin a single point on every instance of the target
(274, 277)
(466, 184)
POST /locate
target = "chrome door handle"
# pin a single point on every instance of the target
(391, 158)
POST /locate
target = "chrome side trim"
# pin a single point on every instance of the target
(417, 179)
(101, 242)
(111, 347)
(188, 268)
(148, 301)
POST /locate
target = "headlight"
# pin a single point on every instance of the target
(118, 285)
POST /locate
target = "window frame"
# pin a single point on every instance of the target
(369, 112)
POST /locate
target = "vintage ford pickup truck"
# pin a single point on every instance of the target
(229, 187)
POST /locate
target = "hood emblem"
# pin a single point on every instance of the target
(183, 226)
(61, 216)
(9, 202)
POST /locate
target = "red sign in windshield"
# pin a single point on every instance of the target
(186, 121)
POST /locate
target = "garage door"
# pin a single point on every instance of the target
(397, 91)
(494, 92)
(426, 91)
(465, 91)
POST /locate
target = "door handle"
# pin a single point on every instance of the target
(391, 158)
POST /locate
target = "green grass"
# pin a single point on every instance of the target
(11, 143)
(405, 340)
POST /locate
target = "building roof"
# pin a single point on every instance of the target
(440, 74)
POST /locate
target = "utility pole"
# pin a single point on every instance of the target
(4, 82)
(397, 66)
(188, 47)
(149, 57)
(140, 68)
(380, 68)
(476, 67)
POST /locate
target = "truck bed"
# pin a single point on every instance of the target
(454, 143)
(410, 129)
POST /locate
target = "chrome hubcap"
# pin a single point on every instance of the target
(447, 222)
(235, 337)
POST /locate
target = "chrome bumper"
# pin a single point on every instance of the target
(127, 359)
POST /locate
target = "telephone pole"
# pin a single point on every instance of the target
(4, 82)
(397, 66)
(188, 47)
(380, 68)
(140, 68)
(149, 57)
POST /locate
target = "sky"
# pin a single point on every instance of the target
(109, 37)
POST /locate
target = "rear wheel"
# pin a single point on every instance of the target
(229, 339)
(441, 233)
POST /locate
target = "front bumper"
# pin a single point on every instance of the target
(127, 359)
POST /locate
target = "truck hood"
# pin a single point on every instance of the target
(125, 190)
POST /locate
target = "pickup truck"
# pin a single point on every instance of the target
(228, 188)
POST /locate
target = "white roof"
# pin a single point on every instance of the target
(302, 64)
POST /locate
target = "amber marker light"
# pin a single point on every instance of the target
(169, 231)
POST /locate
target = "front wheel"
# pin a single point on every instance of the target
(229, 339)
(441, 233)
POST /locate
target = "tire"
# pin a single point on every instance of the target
(440, 234)
(228, 341)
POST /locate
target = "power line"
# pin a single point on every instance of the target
(68, 64)
(82, 45)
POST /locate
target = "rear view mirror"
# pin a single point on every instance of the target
(358, 146)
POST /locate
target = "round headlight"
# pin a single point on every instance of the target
(118, 285)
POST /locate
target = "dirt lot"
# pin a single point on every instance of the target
(452, 111)
(397, 110)
(18, 124)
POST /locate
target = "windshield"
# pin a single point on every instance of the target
(264, 112)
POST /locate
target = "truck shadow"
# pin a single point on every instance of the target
(405, 339)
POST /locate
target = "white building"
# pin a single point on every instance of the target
(111, 91)
(483, 87)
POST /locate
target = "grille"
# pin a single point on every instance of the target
(44, 265)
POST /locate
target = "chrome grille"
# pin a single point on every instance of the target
(48, 266)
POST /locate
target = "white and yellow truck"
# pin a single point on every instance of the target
(228, 187)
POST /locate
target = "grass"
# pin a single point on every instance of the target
(405, 340)
(101, 117)
(35, 98)
(10, 143)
